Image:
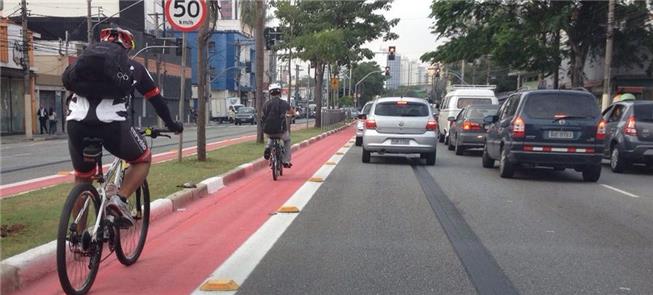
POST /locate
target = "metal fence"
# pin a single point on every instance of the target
(331, 118)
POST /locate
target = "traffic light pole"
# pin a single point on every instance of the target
(182, 83)
(361, 81)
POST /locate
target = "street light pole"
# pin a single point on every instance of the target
(360, 81)
(605, 100)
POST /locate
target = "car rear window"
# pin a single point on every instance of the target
(467, 101)
(644, 112)
(246, 110)
(551, 105)
(477, 113)
(366, 109)
(401, 109)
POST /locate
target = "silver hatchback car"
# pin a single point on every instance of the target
(400, 125)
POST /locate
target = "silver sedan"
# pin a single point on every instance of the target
(400, 125)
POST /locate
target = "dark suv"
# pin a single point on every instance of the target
(629, 137)
(551, 128)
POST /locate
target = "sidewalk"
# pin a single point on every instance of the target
(8, 139)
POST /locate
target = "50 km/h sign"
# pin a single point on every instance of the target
(185, 15)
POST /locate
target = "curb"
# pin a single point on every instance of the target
(21, 269)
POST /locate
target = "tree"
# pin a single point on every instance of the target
(528, 36)
(373, 85)
(332, 33)
(260, 40)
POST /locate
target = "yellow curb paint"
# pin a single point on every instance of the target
(348, 145)
(330, 163)
(340, 153)
(219, 285)
(316, 179)
(288, 209)
(63, 172)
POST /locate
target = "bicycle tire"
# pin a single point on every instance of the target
(126, 237)
(274, 164)
(62, 245)
(280, 164)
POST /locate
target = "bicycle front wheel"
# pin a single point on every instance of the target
(132, 240)
(78, 256)
(273, 164)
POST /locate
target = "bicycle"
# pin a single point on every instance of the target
(79, 246)
(276, 156)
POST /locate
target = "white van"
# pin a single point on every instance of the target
(460, 97)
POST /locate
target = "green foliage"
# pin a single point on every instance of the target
(373, 85)
(346, 101)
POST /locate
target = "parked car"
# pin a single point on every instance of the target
(245, 115)
(400, 125)
(467, 130)
(550, 128)
(629, 137)
(460, 97)
(360, 124)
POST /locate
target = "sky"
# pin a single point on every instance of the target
(413, 29)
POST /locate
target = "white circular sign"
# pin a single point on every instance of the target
(185, 15)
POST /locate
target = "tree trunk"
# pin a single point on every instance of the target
(202, 41)
(319, 77)
(260, 99)
(577, 60)
(558, 61)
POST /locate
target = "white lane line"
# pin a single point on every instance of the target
(245, 259)
(619, 191)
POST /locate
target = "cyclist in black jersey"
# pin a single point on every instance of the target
(107, 119)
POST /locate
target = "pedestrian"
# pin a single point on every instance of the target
(42, 115)
(52, 118)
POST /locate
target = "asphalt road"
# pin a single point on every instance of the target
(27, 160)
(397, 227)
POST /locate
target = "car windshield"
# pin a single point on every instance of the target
(467, 101)
(245, 110)
(560, 105)
(401, 109)
(480, 113)
(644, 112)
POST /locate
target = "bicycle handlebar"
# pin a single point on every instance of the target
(155, 132)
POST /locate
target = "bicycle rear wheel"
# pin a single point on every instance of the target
(274, 162)
(280, 162)
(131, 241)
(78, 257)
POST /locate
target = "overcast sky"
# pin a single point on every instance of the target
(413, 28)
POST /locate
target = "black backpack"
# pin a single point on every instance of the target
(274, 121)
(101, 71)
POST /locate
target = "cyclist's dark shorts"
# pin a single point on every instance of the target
(119, 138)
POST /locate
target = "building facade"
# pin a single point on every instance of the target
(395, 73)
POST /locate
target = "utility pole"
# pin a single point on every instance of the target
(289, 73)
(605, 101)
(487, 74)
(27, 79)
(260, 41)
(89, 23)
(462, 71)
(182, 81)
(296, 81)
(202, 36)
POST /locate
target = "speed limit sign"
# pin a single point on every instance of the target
(185, 15)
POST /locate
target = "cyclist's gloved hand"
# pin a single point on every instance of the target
(176, 127)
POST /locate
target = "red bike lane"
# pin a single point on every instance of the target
(184, 248)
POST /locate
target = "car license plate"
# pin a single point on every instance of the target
(561, 134)
(399, 141)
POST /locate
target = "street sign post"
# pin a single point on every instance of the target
(184, 16)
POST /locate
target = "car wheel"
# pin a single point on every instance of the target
(253, 122)
(366, 156)
(592, 173)
(487, 161)
(459, 148)
(617, 162)
(430, 159)
(440, 137)
(359, 141)
(446, 140)
(506, 169)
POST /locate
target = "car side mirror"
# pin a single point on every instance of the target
(362, 116)
(490, 119)
(451, 118)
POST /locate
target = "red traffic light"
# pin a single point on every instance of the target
(387, 71)
(391, 52)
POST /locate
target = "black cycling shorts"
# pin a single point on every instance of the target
(119, 138)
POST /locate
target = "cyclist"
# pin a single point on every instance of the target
(275, 123)
(100, 117)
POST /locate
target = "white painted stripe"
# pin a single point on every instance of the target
(581, 150)
(619, 191)
(242, 262)
(538, 149)
(560, 150)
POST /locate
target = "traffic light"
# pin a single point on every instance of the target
(387, 71)
(179, 45)
(391, 52)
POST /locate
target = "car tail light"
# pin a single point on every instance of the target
(600, 130)
(471, 125)
(629, 129)
(518, 128)
(370, 124)
(431, 125)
